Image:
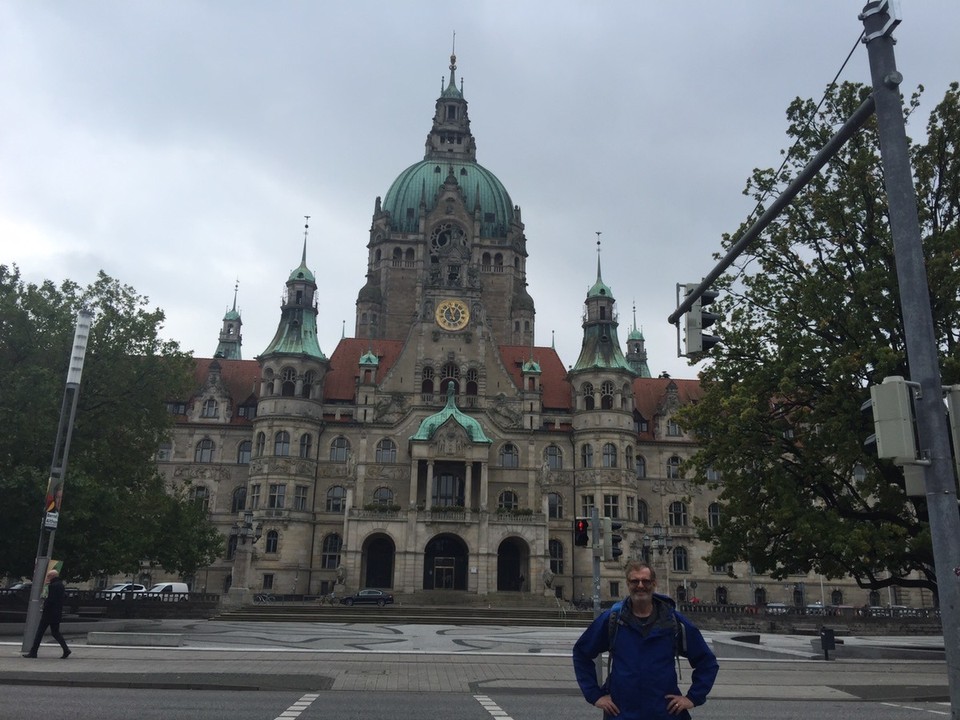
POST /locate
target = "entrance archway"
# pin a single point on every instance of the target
(378, 554)
(513, 565)
(445, 560)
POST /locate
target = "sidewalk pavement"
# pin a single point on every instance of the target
(370, 658)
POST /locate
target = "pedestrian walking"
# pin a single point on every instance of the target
(51, 615)
(645, 637)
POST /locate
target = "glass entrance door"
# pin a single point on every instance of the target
(443, 573)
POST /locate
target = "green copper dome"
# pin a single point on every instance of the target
(421, 182)
(431, 424)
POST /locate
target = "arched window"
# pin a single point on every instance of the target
(383, 496)
(509, 456)
(289, 382)
(204, 451)
(586, 390)
(330, 552)
(306, 445)
(281, 444)
(643, 513)
(339, 450)
(261, 443)
(507, 500)
(678, 514)
(554, 457)
(307, 388)
(397, 255)
(673, 468)
(273, 539)
(450, 374)
(673, 428)
(485, 261)
(200, 496)
(713, 515)
(606, 395)
(836, 597)
(239, 500)
(641, 467)
(555, 506)
(760, 596)
(386, 451)
(336, 499)
(586, 455)
(243, 452)
(556, 557)
(609, 455)
(426, 387)
(209, 408)
(680, 562)
(473, 385)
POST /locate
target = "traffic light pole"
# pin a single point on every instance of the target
(58, 471)
(921, 340)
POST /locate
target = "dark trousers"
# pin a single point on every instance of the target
(54, 626)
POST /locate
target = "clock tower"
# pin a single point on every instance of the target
(447, 244)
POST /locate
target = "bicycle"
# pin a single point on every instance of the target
(263, 598)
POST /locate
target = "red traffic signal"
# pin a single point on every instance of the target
(581, 532)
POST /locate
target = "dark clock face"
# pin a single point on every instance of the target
(452, 314)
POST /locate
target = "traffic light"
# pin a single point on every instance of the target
(697, 320)
(611, 540)
(891, 404)
(581, 532)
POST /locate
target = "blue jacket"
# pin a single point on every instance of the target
(643, 670)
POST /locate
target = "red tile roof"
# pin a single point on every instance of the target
(341, 380)
(240, 377)
(553, 378)
(649, 394)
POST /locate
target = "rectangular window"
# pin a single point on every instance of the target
(611, 506)
(300, 498)
(586, 505)
(254, 496)
(631, 507)
(614, 589)
(277, 493)
(268, 581)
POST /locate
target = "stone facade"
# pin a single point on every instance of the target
(440, 450)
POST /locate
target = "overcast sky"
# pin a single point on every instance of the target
(178, 145)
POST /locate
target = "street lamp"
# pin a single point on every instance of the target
(246, 531)
(661, 540)
(662, 543)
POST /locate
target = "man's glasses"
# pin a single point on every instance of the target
(646, 582)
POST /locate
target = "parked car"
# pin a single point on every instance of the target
(121, 591)
(776, 609)
(814, 609)
(169, 591)
(368, 597)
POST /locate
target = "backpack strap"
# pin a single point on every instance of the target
(679, 636)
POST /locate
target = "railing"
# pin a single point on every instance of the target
(517, 518)
(364, 514)
(458, 516)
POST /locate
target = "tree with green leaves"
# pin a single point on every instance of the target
(117, 513)
(812, 319)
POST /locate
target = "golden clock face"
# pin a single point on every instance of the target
(452, 314)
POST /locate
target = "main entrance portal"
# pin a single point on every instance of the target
(445, 564)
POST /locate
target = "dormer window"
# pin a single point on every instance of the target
(451, 112)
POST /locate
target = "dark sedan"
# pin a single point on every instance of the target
(368, 597)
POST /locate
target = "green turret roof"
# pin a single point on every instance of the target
(431, 424)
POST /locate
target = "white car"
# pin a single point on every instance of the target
(121, 590)
(169, 591)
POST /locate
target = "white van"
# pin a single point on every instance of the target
(169, 591)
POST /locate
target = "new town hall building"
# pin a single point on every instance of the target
(440, 452)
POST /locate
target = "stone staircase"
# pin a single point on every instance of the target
(407, 613)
